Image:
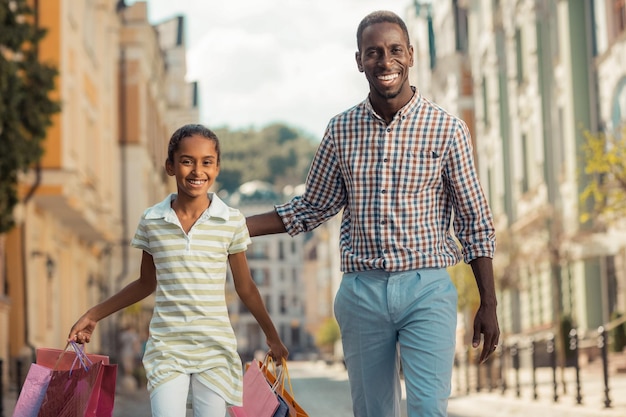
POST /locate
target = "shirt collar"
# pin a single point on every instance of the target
(410, 107)
(163, 210)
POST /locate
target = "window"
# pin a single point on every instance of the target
(268, 303)
(519, 56)
(525, 162)
(460, 24)
(260, 276)
(485, 102)
(281, 250)
(258, 250)
(619, 11)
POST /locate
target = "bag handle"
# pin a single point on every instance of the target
(276, 370)
(81, 356)
(285, 377)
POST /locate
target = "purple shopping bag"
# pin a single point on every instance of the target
(33, 391)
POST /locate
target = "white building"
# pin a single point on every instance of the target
(541, 72)
(276, 264)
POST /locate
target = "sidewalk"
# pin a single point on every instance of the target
(592, 390)
(476, 404)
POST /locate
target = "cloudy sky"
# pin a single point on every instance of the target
(264, 61)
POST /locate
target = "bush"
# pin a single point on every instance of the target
(618, 334)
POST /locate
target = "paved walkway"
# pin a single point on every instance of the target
(481, 404)
(540, 401)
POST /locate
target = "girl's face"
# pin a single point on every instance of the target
(195, 166)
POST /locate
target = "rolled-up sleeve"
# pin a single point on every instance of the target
(324, 196)
(473, 222)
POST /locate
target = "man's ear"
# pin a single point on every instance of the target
(357, 56)
(411, 51)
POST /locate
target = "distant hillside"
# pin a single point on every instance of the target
(277, 154)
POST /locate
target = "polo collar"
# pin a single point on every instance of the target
(163, 210)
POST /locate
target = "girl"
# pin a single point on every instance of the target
(186, 240)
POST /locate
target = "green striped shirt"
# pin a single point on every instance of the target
(190, 331)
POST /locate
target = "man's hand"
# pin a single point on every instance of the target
(486, 323)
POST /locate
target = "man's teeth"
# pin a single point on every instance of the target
(196, 182)
(388, 77)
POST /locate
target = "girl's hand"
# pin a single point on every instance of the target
(83, 329)
(277, 350)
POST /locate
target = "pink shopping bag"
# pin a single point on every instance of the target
(259, 400)
(33, 391)
(49, 357)
(82, 392)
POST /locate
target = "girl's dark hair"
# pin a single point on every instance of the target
(187, 131)
(380, 16)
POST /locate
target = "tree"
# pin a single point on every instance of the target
(327, 335)
(605, 164)
(277, 154)
(26, 107)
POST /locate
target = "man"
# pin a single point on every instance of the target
(398, 166)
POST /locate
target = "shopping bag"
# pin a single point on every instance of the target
(259, 400)
(283, 409)
(236, 411)
(273, 376)
(33, 391)
(64, 359)
(103, 400)
(281, 382)
(86, 389)
(69, 392)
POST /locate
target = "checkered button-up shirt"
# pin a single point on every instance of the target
(401, 186)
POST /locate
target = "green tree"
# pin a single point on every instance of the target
(26, 108)
(277, 154)
(327, 335)
(605, 164)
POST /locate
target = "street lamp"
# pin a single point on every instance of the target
(50, 264)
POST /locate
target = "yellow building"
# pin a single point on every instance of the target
(103, 165)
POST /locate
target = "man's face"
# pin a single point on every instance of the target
(385, 58)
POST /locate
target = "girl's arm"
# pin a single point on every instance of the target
(136, 291)
(249, 294)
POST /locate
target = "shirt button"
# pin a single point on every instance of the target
(383, 191)
(385, 160)
(388, 129)
(383, 222)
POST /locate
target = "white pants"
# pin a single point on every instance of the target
(170, 399)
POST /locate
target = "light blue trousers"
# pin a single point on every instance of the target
(413, 313)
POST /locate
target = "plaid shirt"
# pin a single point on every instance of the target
(398, 186)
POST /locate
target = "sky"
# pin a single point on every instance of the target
(263, 61)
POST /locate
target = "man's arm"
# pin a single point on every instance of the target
(486, 320)
(265, 224)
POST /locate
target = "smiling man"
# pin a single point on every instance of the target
(398, 166)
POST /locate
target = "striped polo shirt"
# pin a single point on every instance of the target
(190, 330)
(398, 185)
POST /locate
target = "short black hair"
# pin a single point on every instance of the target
(380, 16)
(187, 131)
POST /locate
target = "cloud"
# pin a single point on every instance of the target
(258, 62)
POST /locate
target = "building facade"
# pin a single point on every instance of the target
(103, 165)
(276, 265)
(542, 72)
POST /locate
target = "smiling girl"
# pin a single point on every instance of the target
(187, 240)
